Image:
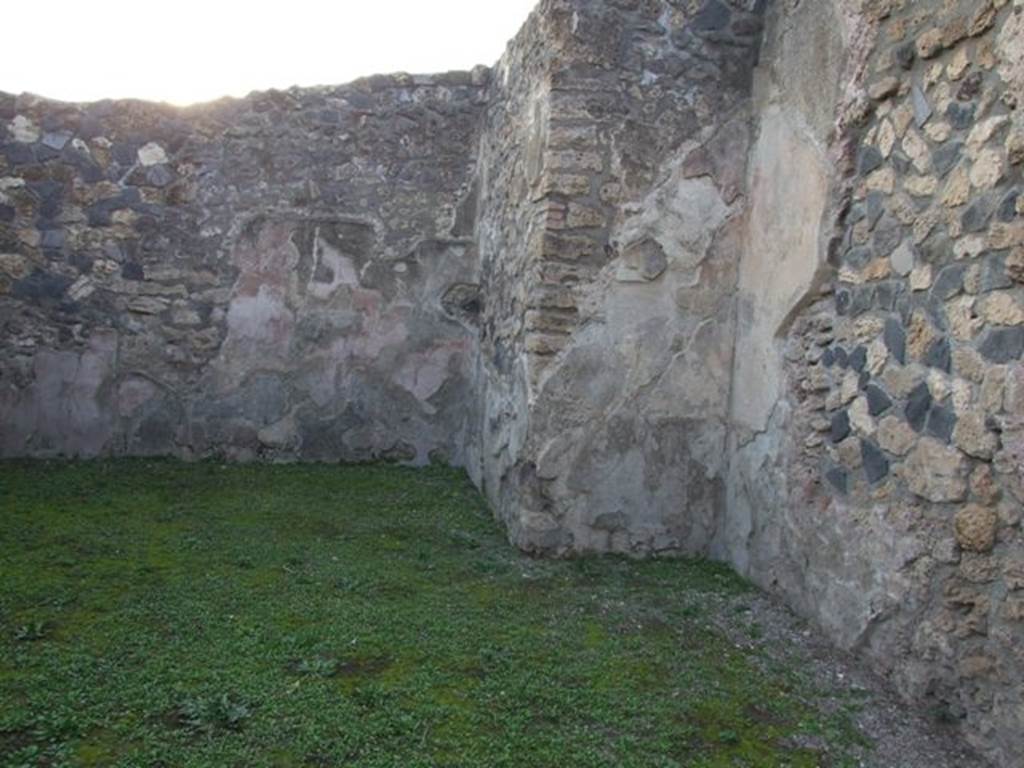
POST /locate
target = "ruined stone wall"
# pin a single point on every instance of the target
(876, 475)
(508, 226)
(687, 276)
(272, 277)
(611, 343)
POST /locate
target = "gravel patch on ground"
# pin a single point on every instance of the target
(903, 737)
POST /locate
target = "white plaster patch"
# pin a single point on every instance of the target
(24, 130)
(781, 262)
(683, 218)
(424, 375)
(152, 154)
(341, 267)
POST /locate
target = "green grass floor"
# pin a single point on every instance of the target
(163, 614)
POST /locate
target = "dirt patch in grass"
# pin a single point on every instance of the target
(14, 741)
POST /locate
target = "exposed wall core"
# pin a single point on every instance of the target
(610, 242)
(716, 277)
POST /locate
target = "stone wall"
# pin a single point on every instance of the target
(507, 226)
(806, 96)
(719, 277)
(608, 349)
(272, 277)
(876, 476)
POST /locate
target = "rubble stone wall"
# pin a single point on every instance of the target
(271, 277)
(877, 463)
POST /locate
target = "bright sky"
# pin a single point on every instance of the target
(184, 51)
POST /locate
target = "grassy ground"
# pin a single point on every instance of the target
(162, 614)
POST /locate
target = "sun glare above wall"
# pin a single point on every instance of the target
(194, 50)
